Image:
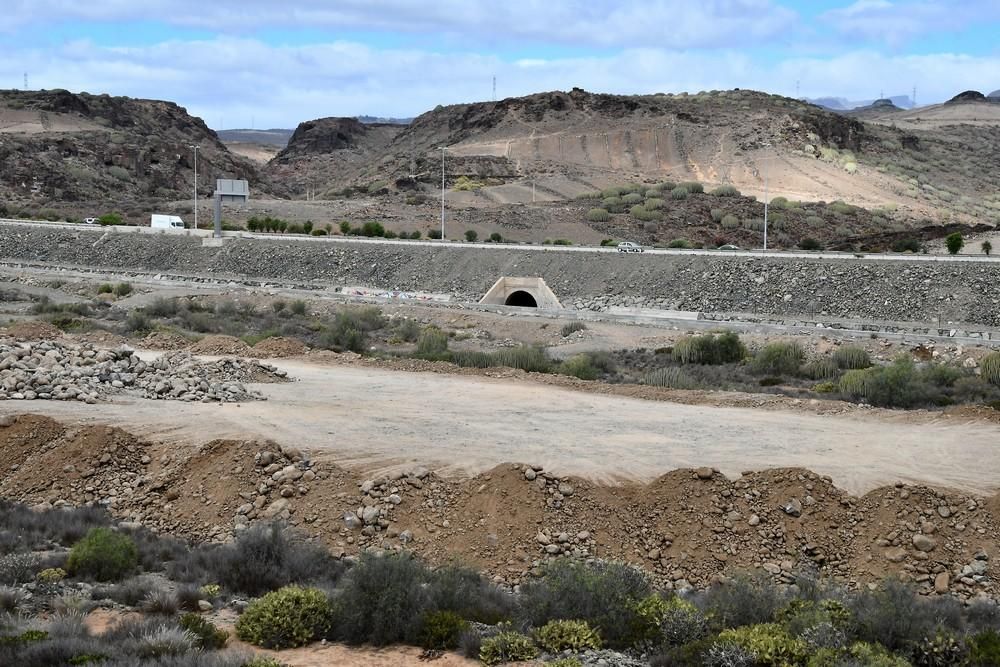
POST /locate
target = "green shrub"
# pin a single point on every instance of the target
(642, 214)
(693, 187)
(345, 227)
(851, 358)
(987, 247)
(434, 234)
(679, 193)
(103, 554)
(571, 328)
(442, 630)
(261, 661)
(859, 653)
(954, 242)
(709, 349)
(942, 650)
(578, 366)
(298, 307)
(670, 378)
(507, 647)
(730, 221)
(471, 235)
(565, 662)
(681, 622)
(119, 173)
(654, 204)
(725, 191)
(432, 343)
(110, 219)
(772, 645)
(123, 289)
(632, 198)
(372, 229)
(613, 204)
(821, 369)
(743, 600)
(810, 244)
(51, 575)
(319, 232)
(680, 243)
(989, 368)
(717, 214)
(559, 636)
(495, 237)
(906, 245)
(286, 618)
(526, 358)
(778, 359)
(207, 636)
(105, 289)
(900, 384)
(984, 648)
(605, 595)
(779, 203)
(380, 599)
(562, 242)
(598, 215)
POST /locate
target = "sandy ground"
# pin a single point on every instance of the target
(376, 419)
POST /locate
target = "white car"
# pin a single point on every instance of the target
(90, 221)
(628, 246)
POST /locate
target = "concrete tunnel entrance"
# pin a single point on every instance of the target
(521, 293)
(522, 299)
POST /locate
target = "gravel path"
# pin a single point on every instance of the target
(376, 419)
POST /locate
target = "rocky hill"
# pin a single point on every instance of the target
(105, 152)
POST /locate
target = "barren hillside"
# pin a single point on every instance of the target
(115, 152)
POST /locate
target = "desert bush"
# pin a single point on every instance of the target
(598, 215)
(565, 662)
(613, 204)
(680, 243)
(852, 358)
(471, 235)
(571, 328)
(810, 244)
(642, 214)
(730, 221)
(894, 615)
(380, 599)
(578, 366)
(986, 247)
(372, 229)
(119, 173)
(10, 598)
(709, 349)
(655, 204)
(778, 359)
(351, 327)
(954, 242)
(434, 234)
(129, 592)
(472, 359)
(110, 219)
(495, 237)
(105, 288)
(17, 568)
(103, 554)
(984, 648)
(559, 636)
(989, 367)
(298, 307)
(432, 343)
(526, 358)
(319, 232)
(717, 214)
(943, 649)
(408, 330)
(679, 193)
(123, 289)
(632, 198)
(507, 647)
(906, 245)
(693, 187)
(725, 191)
(770, 643)
(286, 618)
(442, 630)
(670, 378)
(160, 601)
(604, 594)
(821, 369)
(900, 384)
(742, 600)
(265, 557)
(207, 635)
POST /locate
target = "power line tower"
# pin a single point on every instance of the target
(25, 80)
(913, 100)
(494, 88)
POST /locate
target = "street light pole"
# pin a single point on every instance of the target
(195, 148)
(766, 202)
(442, 192)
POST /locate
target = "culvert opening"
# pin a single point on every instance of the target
(522, 299)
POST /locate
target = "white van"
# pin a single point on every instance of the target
(158, 221)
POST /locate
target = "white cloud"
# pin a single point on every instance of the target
(587, 23)
(899, 21)
(229, 80)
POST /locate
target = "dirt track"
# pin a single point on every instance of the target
(369, 418)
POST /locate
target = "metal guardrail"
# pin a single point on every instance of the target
(758, 254)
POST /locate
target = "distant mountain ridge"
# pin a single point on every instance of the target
(843, 104)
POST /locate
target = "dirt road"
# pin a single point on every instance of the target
(377, 419)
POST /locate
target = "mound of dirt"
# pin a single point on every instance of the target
(967, 96)
(162, 340)
(221, 345)
(277, 347)
(32, 331)
(688, 527)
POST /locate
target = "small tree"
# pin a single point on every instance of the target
(495, 237)
(308, 227)
(471, 235)
(434, 234)
(954, 242)
(987, 248)
(345, 227)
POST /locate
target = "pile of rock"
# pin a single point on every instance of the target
(379, 499)
(283, 476)
(49, 370)
(556, 489)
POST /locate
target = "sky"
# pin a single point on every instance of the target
(271, 63)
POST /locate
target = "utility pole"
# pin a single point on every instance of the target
(195, 148)
(25, 80)
(494, 88)
(443, 149)
(766, 203)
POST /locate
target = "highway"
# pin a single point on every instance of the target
(462, 245)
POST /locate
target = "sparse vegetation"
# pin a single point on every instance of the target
(954, 242)
(286, 618)
(103, 554)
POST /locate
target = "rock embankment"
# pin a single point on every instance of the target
(955, 292)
